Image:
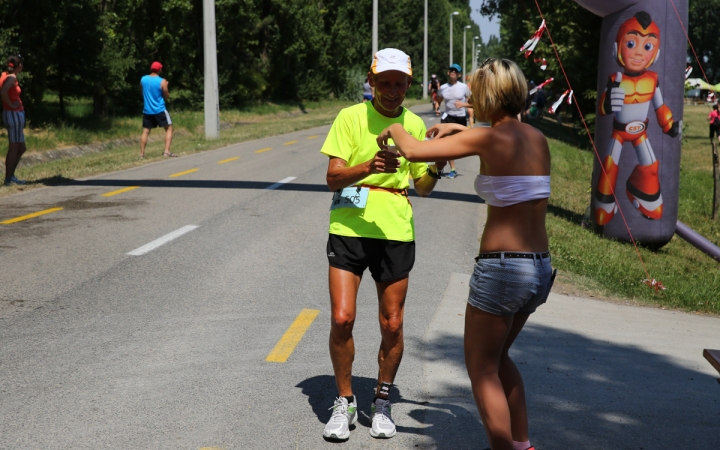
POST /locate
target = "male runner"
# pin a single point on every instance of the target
(455, 93)
(371, 226)
(155, 93)
(433, 87)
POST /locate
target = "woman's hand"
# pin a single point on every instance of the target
(385, 135)
(442, 130)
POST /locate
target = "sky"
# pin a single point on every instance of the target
(487, 27)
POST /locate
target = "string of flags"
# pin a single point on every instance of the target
(688, 71)
(543, 63)
(568, 93)
(529, 46)
(548, 81)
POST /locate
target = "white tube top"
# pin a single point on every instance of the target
(509, 190)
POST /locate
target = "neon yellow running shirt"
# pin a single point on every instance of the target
(353, 138)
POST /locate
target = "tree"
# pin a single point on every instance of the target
(575, 32)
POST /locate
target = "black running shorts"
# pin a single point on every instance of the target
(161, 120)
(453, 119)
(387, 260)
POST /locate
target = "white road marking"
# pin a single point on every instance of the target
(163, 240)
(280, 183)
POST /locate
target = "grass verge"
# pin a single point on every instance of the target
(692, 279)
(256, 123)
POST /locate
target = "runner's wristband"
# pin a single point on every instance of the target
(433, 174)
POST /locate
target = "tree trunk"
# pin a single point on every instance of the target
(61, 96)
(716, 180)
(100, 104)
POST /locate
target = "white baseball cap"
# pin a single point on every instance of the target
(391, 59)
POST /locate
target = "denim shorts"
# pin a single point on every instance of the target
(507, 286)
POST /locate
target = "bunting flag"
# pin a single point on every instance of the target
(688, 71)
(556, 105)
(532, 42)
(534, 90)
(543, 63)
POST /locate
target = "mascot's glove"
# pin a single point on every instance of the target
(674, 129)
(616, 93)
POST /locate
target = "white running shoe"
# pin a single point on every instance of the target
(382, 423)
(344, 414)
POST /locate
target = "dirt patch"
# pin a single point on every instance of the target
(10, 307)
(45, 225)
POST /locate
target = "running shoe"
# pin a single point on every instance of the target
(452, 174)
(13, 180)
(382, 423)
(344, 414)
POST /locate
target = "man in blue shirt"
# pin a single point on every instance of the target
(155, 93)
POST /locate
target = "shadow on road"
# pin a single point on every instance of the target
(320, 391)
(258, 185)
(589, 394)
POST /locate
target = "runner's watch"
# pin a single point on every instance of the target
(434, 174)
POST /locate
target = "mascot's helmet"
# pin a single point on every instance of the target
(643, 24)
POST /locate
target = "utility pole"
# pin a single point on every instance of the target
(425, 56)
(464, 64)
(375, 29)
(451, 36)
(212, 105)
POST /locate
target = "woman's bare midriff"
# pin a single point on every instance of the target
(516, 228)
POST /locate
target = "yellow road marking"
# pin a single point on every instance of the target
(30, 216)
(228, 160)
(285, 346)
(290, 143)
(179, 174)
(120, 191)
(313, 137)
(263, 150)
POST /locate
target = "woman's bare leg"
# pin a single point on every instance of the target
(497, 384)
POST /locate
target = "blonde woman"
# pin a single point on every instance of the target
(513, 274)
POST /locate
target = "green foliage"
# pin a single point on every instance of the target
(704, 16)
(575, 31)
(267, 50)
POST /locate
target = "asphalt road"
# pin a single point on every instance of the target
(146, 320)
(167, 349)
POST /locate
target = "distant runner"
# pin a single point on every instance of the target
(155, 93)
(455, 93)
(433, 87)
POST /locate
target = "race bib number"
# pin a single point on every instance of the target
(350, 197)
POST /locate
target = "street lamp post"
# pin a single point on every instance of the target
(425, 55)
(212, 106)
(451, 36)
(464, 64)
(474, 54)
(374, 28)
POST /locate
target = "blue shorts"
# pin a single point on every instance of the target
(367, 96)
(14, 122)
(508, 283)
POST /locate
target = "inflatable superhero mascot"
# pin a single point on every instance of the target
(641, 65)
(628, 96)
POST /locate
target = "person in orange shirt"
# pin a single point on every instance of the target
(13, 116)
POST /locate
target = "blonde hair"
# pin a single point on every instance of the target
(497, 86)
